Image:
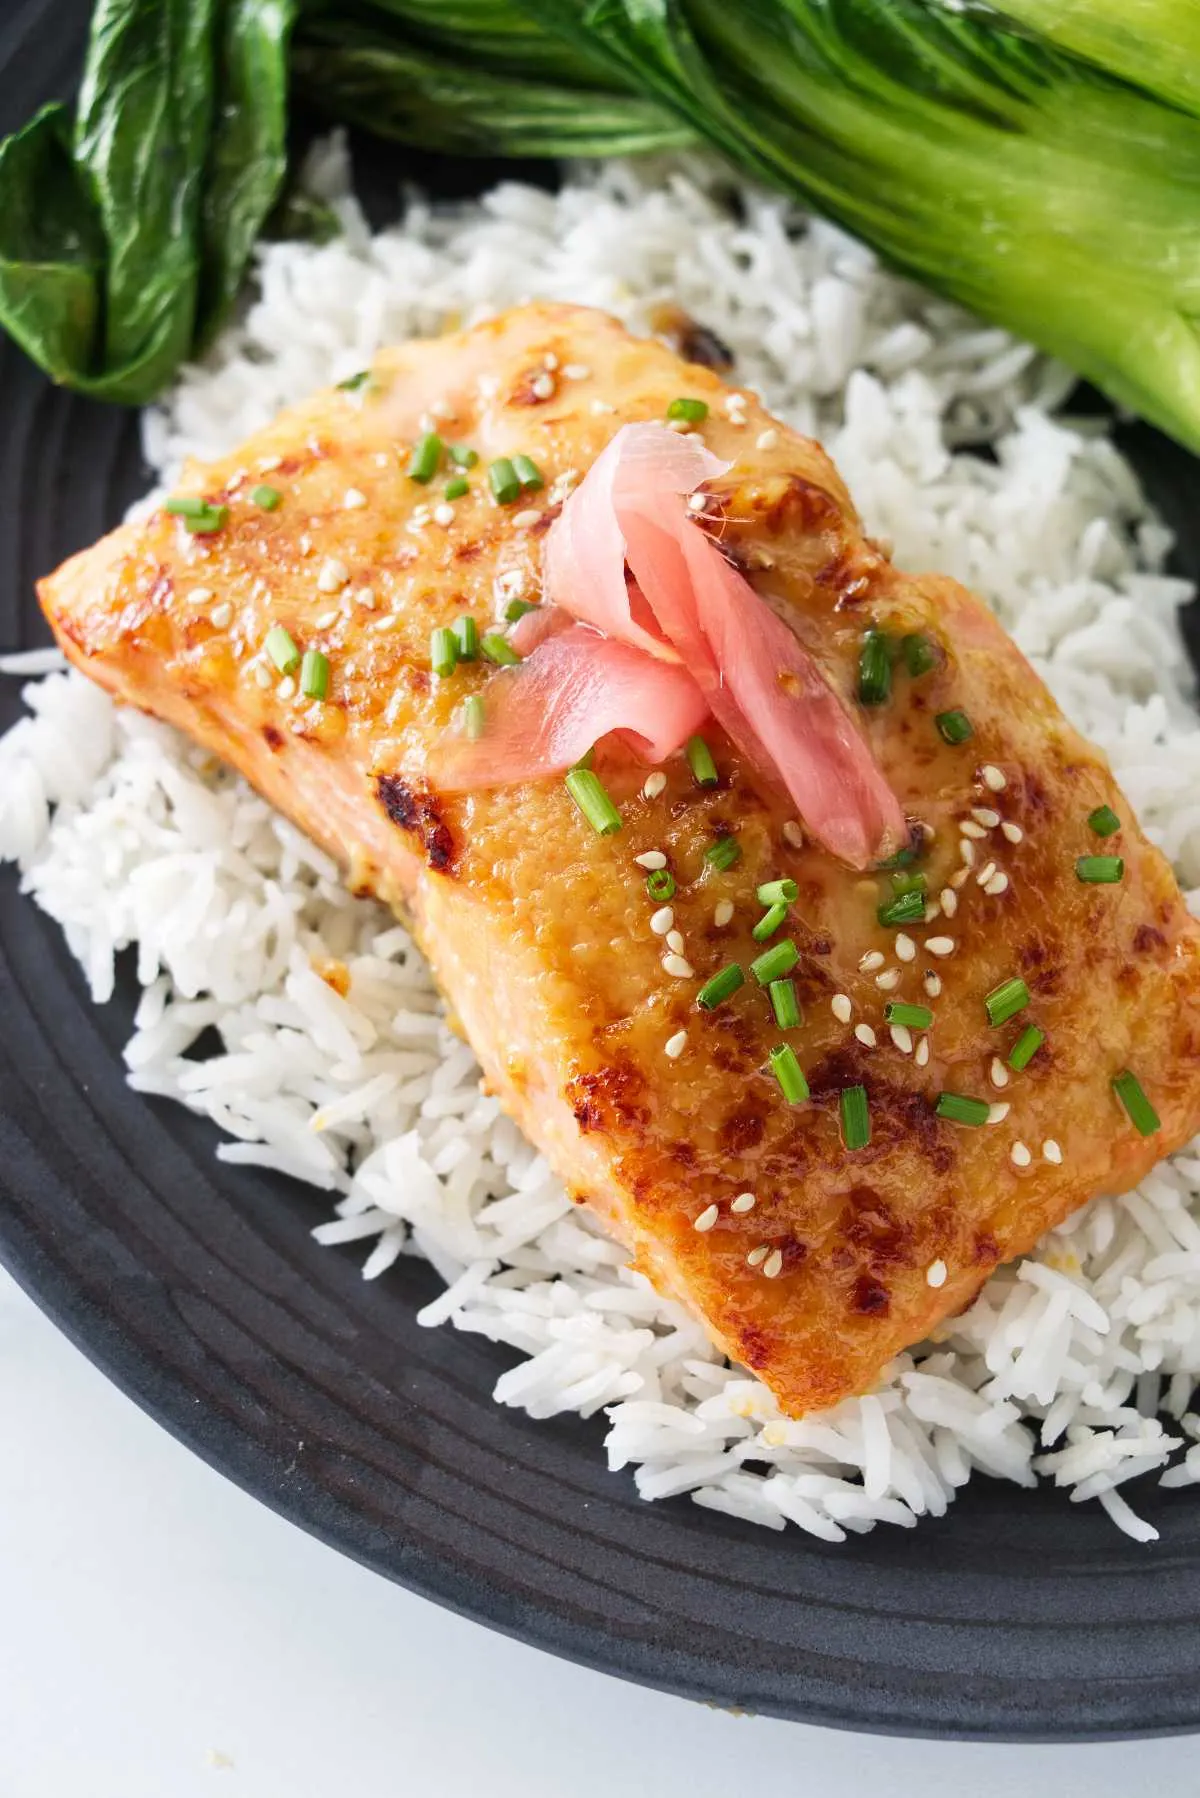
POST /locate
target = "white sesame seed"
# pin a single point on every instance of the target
(326, 621)
(675, 942)
(1052, 1152)
(1012, 831)
(443, 515)
(921, 1053)
(966, 850)
(940, 945)
(286, 688)
(773, 1265)
(550, 361)
(757, 1255)
(723, 913)
(333, 576)
(675, 964)
(680, 426)
(933, 984)
(652, 859)
(656, 783)
(576, 371)
(675, 1045)
(996, 885)
(662, 921)
(263, 675)
(959, 878)
(793, 834)
(442, 409)
(935, 1273)
(745, 1201)
(865, 1035)
(948, 899)
(932, 911)
(766, 440)
(707, 1218)
(599, 407)
(524, 521)
(304, 544)
(365, 597)
(353, 499)
(969, 828)
(998, 1071)
(697, 502)
(983, 814)
(841, 1007)
(542, 386)
(888, 980)
(992, 777)
(902, 1038)
(1020, 1155)
(998, 1112)
(387, 623)
(268, 464)
(906, 949)
(221, 616)
(871, 960)
(199, 596)
(985, 874)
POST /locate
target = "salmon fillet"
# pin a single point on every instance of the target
(809, 1261)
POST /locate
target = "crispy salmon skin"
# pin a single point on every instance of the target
(816, 1236)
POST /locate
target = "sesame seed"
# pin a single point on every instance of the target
(262, 675)
(935, 1273)
(985, 874)
(656, 783)
(793, 834)
(966, 850)
(675, 941)
(353, 499)
(959, 878)
(697, 502)
(326, 621)
(1012, 831)
(675, 964)
(773, 1265)
(940, 945)
(983, 814)
(199, 596)
(992, 777)
(443, 515)
(723, 913)
(745, 1201)
(286, 688)
(442, 409)
(906, 949)
(599, 407)
(933, 984)
(333, 575)
(304, 545)
(996, 885)
(758, 1254)
(998, 1112)
(888, 980)
(999, 1073)
(969, 828)
(268, 464)
(1052, 1152)
(949, 901)
(871, 960)
(766, 440)
(365, 597)
(386, 624)
(662, 921)
(221, 615)
(1020, 1155)
(841, 1007)
(675, 1045)
(542, 386)
(707, 1218)
(902, 1038)
(550, 361)
(524, 521)
(921, 1053)
(651, 859)
(680, 426)
(932, 911)
(576, 371)
(865, 1035)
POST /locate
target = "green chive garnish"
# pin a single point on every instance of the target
(266, 497)
(467, 632)
(916, 1017)
(908, 880)
(691, 410)
(874, 669)
(722, 986)
(198, 516)
(919, 654)
(955, 727)
(959, 1109)
(785, 1004)
(769, 923)
(282, 650)
(724, 853)
(353, 382)
(775, 962)
(586, 759)
(528, 473)
(788, 1072)
(1026, 1047)
(443, 652)
(856, 1117)
(187, 506)
(903, 858)
(905, 908)
(1100, 870)
(517, 608)
(461, 455)
(458, 488)
(589, 794)
(504, 481)
(474, 717)
(427, 453)
(1142, 1114)
(1104, 821)
(1006, 1000)
(777, 892)
(700, 761)
(498, 649)
(660, 884)
(314, 674)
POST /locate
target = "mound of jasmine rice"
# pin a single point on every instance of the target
(336, 1064)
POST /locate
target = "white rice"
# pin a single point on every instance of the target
(126, 835)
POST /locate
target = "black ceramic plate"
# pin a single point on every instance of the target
(198, 1289)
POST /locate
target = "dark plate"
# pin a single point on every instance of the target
(199, 1291)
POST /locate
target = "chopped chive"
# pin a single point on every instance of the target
(528, 473)
(1026, 1047)
(213, 518)
(955, 726)
(461, 455)
(856, 1117)
(590, 795)
(266, 497)
(905, 908)
(187, 506)
(1103, 821)
(1006, 1000)
(467, 632)
(916, 1017)
(427, 453)
(504, 481)
(443, 652)
(1142, 1114)
(775, 962)
(957, 1108)
(919, 654)
(474, 717)
(691, 410)
(789, 1073)
(722, 986)
(517, 608)
(282, 650)
(874, 669)
(586, 759)
(1100, 870)
(785, 1004)
(700, 761)
(903, 858)
(314, 674)
(352, 383)
(458, 488)
(906, 880)
(777, 892)
(769, 923)
(660, 884)
(726, 852)
(498, 649)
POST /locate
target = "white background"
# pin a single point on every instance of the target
(164, 1636)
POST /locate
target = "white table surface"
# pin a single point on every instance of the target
(162, 1635)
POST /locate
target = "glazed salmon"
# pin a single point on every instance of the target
(825, 1153)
